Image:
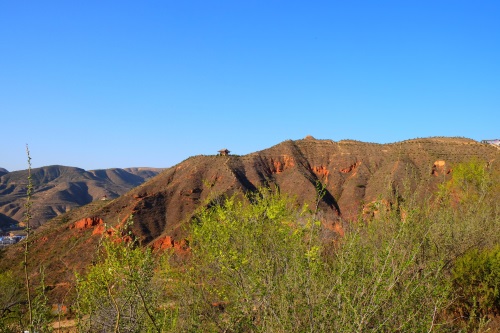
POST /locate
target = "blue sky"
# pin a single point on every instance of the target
(102, 84)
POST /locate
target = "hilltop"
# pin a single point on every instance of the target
(354, 175)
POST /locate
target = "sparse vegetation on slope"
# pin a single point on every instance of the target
(247, 260)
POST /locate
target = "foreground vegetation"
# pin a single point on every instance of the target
(263, 264)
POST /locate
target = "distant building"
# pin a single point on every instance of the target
(224, 152)
(495, 142)
(10, 240)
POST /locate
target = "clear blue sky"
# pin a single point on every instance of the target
(101, 84)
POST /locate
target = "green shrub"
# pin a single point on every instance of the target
(120, 293)
(11, 299)
(259, 266)
(257, 260)
(383, 278)
(476, 283)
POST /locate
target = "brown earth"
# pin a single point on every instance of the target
(355, 175)
(58, 189)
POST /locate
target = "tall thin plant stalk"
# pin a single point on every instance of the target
(27, 219)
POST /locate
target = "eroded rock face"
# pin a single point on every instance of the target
(440, 168)
(164, 243)
(100, 229)
(280, 165)
(87, 223)
(440, 164)
(321, 171)
(350, 168)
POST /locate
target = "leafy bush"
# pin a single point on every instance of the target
(476, 282)
(254, 266)
(259, 266)
(119, 293)
(11, 299)
(384, 278)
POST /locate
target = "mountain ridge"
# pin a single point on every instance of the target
(58, 188)
(355, 175)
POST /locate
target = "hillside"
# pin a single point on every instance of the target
(58, 189)
(3, 171)
(354, 174)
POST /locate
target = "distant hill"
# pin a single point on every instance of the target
(58, 189)
(354, 174)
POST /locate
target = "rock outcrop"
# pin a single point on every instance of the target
(439, 168)
(87, 223)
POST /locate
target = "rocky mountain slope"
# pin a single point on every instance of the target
(57, 189)
(354, 174)
(3, 171)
